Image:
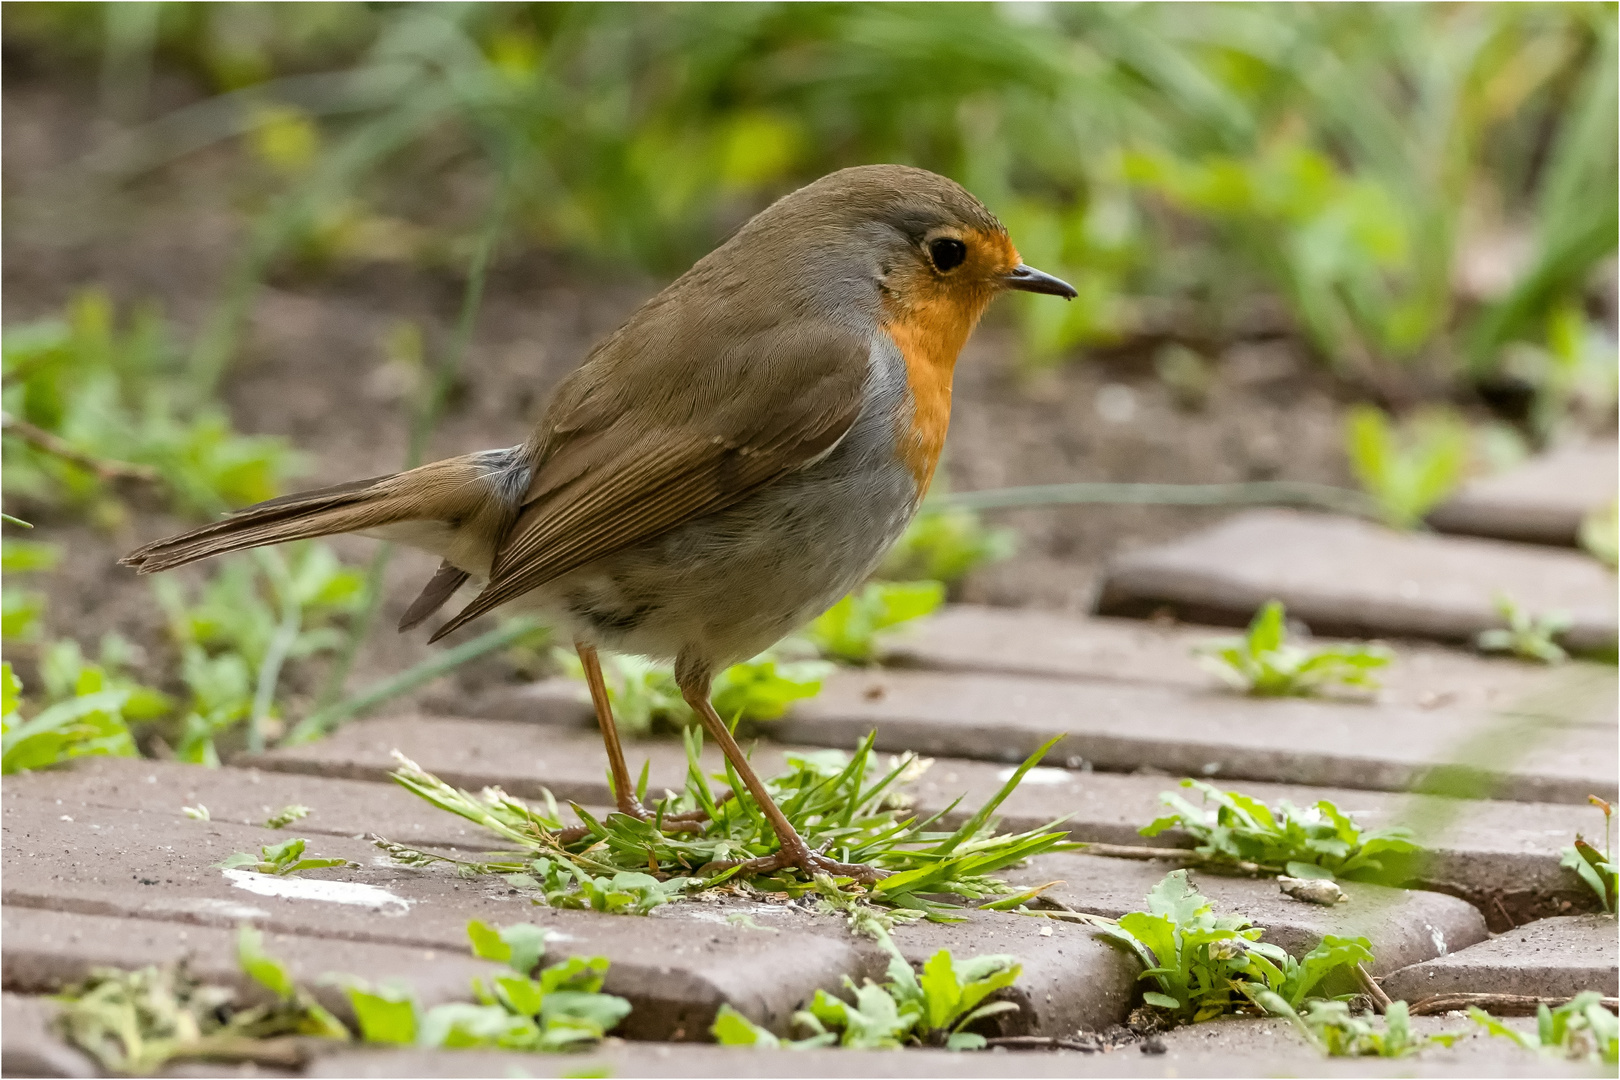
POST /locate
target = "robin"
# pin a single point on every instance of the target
(722, 468)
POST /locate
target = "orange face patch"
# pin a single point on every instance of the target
(929, 319)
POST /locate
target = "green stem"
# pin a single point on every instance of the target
(324, 720)
(286, 636)
(427, 417)
(1257, 493)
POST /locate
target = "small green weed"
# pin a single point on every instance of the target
(24, 609)
(1207, 965)
(562, 1009)
(1581, 1029)
(286, 816)
(123, 396)
(1600, 533)
(1264, 663)
(249, 621)
(135, 1021)
(280, 859)
(644, 694)
(931, 1009)
(1410, 470)
(240, 630)
(88, 720)
(946, 545)
(848, 630)
(628, 892)
(1596, 868)
(1527, 636)
(844, 805)
(1320, 841)
(1329, 1027)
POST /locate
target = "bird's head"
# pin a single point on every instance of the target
(914, 240)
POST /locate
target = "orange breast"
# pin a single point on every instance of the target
(930, 338)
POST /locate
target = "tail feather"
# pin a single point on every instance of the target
(322, 512)
(471, 496)
(440, 587)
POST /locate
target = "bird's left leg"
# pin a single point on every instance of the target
(624, 791)
(694, 680)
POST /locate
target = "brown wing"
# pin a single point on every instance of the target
(639, 441)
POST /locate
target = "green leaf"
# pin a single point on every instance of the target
(732, 1028)
(520, 994)
(10, 690)
(383, 1016)
(527, 943)
(260, 966)
(1333, 952)
(1163, 1001)
(488, 943)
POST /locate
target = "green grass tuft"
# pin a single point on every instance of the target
(846, 805)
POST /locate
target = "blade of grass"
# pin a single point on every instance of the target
(322, 721)
(974, 823)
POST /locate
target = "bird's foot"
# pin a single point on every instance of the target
(799, 857)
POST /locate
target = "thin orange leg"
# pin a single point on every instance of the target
(624, 792)
(793, 852)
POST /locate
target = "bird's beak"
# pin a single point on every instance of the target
(1028, 279)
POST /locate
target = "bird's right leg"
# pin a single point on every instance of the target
(624, 791)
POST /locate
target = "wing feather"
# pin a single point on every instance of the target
(621, 463)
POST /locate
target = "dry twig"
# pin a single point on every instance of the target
(53, 444)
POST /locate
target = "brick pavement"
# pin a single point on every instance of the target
(101, 867)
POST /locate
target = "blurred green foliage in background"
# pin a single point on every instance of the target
(1426, 189)
(1424, 195)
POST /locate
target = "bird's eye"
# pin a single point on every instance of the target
(947, 252)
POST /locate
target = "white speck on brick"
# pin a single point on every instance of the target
(1040, 774)
(332, 892)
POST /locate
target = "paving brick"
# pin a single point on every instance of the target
(1404, 926)
(1503, 856)
(553, 702)
(1343, 576)
(1274, 1042)
(28, 1046)
(1071, 981)
(47, 950)
(248, 796)
(968, 637)
(131, 864)
(1122, 728)
(1235, 1048)
(1540, 502)
(1557, 957)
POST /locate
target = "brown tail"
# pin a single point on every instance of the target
(464, 503)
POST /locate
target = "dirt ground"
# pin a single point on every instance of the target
(313, 368)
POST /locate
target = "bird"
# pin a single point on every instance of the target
(720, 469)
